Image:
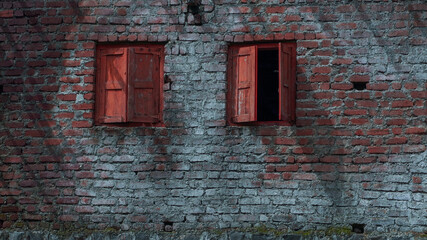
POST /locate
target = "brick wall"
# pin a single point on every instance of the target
(353, 157)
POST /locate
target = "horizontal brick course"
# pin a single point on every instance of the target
(354, 156)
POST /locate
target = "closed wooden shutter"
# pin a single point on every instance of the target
(144, 84)
(287, 81)
(111, 85)
(244, 83)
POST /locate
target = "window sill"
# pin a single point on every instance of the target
(261, 123)
(131, 124)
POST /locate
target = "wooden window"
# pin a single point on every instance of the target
(129, 81)
(262, 83)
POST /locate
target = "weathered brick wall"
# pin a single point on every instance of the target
(353, 157)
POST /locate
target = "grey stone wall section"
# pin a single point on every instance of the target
(353, 157)
(232, 235)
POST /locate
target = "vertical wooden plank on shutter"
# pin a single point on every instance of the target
(111, 85)
(287, 81)
(244, 83)
(144, 84)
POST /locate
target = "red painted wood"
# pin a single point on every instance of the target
(287, 82)
(111, 85)
(244, 83)
(144, 84)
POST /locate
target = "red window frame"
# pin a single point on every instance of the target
(129, 85)
(243, 79)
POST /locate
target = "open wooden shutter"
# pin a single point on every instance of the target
(244, 60)
(144, 84)
(111, 85)
(287, 81)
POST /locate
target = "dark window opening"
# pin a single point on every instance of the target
(268, 85)
(359, 85)
(262, 87)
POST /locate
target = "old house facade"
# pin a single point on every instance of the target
(269, 117)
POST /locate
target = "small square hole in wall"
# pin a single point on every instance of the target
(359, 85)
(168, 226)
(358, 228)
(194, 6)
(194, 12)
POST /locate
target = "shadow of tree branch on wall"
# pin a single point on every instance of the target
(38, 186)
(342, 171)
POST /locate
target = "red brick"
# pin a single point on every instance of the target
(360, 78)
(349, 168)
(303, 150)
(88, 3)
(323, 122)
(419, 94)
(377, 150)
(323, 168)
(269, 176)
(48, 174)
(417, 180)
(347, 26)
(27, 183)
(322, 95)
(305, 176)
(364, 142)
(403, 103)
(341, 133)
(7, 209)
(81, 124)
(308, 44)
(15, 142)
(280, 9)
(364, 160)
(295, 18)
(267, 132)
(287, 168)
(69, 218)
(85, 175)
(342, 61)
(51, 20)
(83, 106)
(415, 130)
(84, 209)
(341, 151)
(341, 86)
(52, 141)
(377, 86)
(50, 159)
(397, 140)
(65, 115)
(6, 13)
(67, 200)
(397, 122)
(352, 112)
(398, 33)
(12, 160)
(320, 78)
(71, 63)
(285, 141)
(66, 97)
(376, 132)
(330, 159)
